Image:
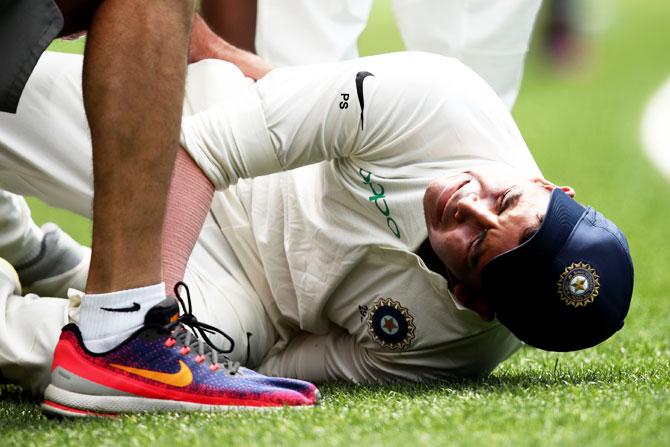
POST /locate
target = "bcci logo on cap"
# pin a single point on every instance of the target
(579, 284)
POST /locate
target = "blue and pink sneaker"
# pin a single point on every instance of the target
(162, 367)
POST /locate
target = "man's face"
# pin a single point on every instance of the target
(476, 215)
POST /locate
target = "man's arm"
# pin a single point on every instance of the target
(381, 112)
(233, 20)
(339, 356)
(322, 358)
(304, 115)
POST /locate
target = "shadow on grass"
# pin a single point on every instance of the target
(539, 378)
(13, 394)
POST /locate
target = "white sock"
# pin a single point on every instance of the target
(108, 319)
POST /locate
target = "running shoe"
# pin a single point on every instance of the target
(168, 365)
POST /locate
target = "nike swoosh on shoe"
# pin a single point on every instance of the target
(181, 378)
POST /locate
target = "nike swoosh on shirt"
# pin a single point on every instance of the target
(134, 308)
(360, 77)
(181, 378)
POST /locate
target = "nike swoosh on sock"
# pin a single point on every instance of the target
(134, 308)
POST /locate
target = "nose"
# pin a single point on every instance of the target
(471, 207)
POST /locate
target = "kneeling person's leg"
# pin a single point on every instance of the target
(29, 330)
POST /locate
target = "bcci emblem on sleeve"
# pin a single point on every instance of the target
(390, 324)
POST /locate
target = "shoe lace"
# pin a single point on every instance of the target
(191, 343)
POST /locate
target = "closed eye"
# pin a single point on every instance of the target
(509, 200)
(476, 249)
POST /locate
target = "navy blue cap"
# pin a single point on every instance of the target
(569, 286)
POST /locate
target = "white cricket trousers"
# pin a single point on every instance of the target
(18, 232)
(45, 151)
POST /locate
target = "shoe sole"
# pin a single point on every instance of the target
(64, 403)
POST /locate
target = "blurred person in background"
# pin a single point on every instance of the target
(491, 37)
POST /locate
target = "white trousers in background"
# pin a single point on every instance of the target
(45, 151)
(490, 36)
(18, 232)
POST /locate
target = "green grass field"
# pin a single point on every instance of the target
(584, 130)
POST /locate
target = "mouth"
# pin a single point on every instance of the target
(445, 200)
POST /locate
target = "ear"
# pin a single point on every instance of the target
(474, 300)
(549, 186)
(568, 190)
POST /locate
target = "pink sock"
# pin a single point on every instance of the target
(188, 203)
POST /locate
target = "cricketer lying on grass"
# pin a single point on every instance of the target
(357, 233)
